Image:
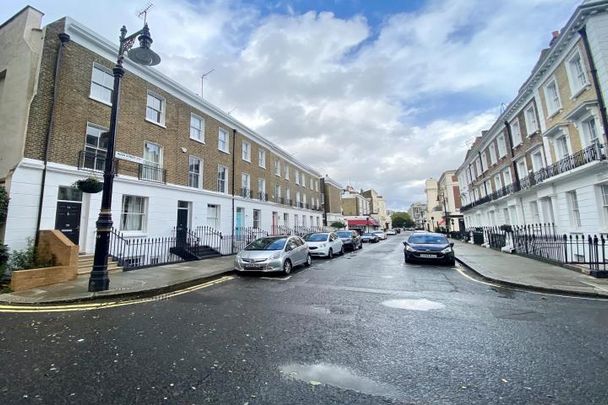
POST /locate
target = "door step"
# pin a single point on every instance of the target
(85, 265)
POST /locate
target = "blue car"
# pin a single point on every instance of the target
(429, 247)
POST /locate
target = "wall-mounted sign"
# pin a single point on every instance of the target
(130, 158)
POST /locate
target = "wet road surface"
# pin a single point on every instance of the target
(360, 329)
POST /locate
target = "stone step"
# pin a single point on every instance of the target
(85, 264)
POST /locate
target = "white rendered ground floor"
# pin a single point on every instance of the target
(139, 208)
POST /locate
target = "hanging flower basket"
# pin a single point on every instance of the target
(90, 185)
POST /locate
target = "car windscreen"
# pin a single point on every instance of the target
(428, 240)
(368, 234)
(344, 234)
(316, 237)
(267, 244)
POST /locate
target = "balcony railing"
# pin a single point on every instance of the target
(152, 173)
(246, 193)
(590, 154)
(92, 160)
(262, 196)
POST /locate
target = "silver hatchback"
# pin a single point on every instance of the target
(273, 253)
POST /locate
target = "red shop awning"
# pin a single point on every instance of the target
(362, 222)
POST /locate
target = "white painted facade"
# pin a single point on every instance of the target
(161, 206)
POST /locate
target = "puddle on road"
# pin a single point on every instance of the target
(414, 305)
(388, 276)
(337, 376)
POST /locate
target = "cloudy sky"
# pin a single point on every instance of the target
(376, 93)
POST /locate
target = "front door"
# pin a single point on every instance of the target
(67, 219)
(181, 231)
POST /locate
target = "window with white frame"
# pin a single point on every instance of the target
(133, 213)
(484, 159)
(522, 168)
(262, 189)
(295, 220)
(317, 185)
(197, 128)
(534, 213)
(287, 196)
(561, 147)
(547, 207)
(498, 182)
(95, 151)
(302, 179)
(262, 158)
(102, 84)
(213, 216)
(492, 154)
(576, 74)
(222, 140)
(590, 131)
(516, 132)
(531, 121)
(297, 177)
(298, 198)
(552, 97)
(502, 148)
(575, 214)
(277, 167)
(312, 183)
(506, 216)
(513, 214)
(286, 172)
(245, 185)
(537, 160)
(257, 218)
(246, 151)
(155, 109)
(152, 169)
(277, 192)
(604, 201)
(194, 172)
(478, 166)
(222, 179)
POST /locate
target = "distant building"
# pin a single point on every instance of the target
(332, 201)
(417, 212)
(448, 197)
(378, 208)
(434, 211)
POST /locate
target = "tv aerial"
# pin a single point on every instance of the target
(144, 12)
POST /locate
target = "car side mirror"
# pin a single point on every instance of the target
(404, 243)
(451, 244)
(288, 248)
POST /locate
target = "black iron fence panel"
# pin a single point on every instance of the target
(541, 242)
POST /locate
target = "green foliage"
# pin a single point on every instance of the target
(89, 185)
(402, 220)
(4, 255)
(26, 258)
(3, 204)
(338, 225)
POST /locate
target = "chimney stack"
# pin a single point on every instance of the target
(554, 36)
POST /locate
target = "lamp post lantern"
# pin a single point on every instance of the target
(142, 55)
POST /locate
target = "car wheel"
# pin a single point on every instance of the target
(360, 245)
(407, 259)
(330, 254)
(342, 250)
(287, 267)
(451, 262)
(308, 261)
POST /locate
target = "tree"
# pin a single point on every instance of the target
(402, 220)
(338, 225)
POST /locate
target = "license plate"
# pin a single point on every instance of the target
(428, 256)
(253, 267)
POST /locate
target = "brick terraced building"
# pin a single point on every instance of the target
(179, 158)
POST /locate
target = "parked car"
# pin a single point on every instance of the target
(381, 234)
(427, 246)
(391, 232)
(326, 244)
(273, 253)
(370, 237)
(350, 239)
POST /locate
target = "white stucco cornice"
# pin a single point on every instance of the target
(109, 50)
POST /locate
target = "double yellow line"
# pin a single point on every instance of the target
(107, 304)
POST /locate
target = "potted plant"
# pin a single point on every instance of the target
(89, 185)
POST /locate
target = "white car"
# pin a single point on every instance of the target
(325, 244)
(391, 232)
(380, 234)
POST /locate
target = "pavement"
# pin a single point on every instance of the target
(521, 272)
(126, 284)
(498, 267)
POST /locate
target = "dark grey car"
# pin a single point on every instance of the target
(350, 239)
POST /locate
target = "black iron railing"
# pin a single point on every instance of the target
(139, 252)
(246, 193)
(152, 173)
(262, 196)
(589, 154)
(542, 242)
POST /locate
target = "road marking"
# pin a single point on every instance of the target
(109, 304)
(550, 294)
(276, 278)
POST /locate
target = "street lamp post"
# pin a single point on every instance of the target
(142, 55)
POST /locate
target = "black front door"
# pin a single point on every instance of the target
(67, 219)
(181, 231)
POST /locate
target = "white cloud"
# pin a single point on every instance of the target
(340, 95)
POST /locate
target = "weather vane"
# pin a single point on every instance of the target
(144, 12)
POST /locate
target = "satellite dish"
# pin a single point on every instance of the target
(144, 55)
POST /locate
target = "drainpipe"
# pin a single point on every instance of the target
(233, 188)
(64, 38)
(513, 165)
(596, 82)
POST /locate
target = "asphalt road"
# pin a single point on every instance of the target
(360, 329)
